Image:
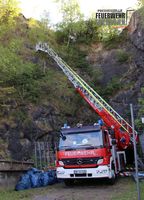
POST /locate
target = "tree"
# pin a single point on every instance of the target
(72, 19)
(8, 10)
(92, 29)
(141, 2)
(45, 19)
(40, 30)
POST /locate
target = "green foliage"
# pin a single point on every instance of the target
(115, 41)
(19, 73)
(40, 31)
(23, 82)
(141, 2)
(111, 37)
(6, 95)
(123, 189)
(15, 45)
(71, 11)
(32, 83)
(72, 22)
(83, 32)
(141, 111)
(73, 56)
(107, 33)
(122, 56)
(12, 66)
(112, 87)
(20, 114)
(37, 32)
(8, 10)
(97, 75)
(91, 33)
(141, 13)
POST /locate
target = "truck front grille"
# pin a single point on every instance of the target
(80, 161)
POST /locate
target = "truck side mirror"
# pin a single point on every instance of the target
(63, 137)
(113, 141)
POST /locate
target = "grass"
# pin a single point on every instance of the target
(129, 192)
(9, 194)
(124, 189)
(122, 56)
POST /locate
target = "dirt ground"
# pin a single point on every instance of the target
(99, 190)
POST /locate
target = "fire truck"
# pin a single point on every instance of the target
(96, 151)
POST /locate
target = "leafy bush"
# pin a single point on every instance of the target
(107, 33)
(122, 56)
(73, 56)
(141, 111)
(112, 87)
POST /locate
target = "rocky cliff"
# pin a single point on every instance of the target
(132, 78)
(119, 79)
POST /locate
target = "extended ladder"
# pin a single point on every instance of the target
(92, 97)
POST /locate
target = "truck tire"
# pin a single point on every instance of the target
(113, 179)
(69, 182)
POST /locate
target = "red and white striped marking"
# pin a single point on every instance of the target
(125, 174)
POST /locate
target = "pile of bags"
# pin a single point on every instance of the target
(34, 178)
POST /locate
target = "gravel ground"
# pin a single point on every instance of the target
(90, 190)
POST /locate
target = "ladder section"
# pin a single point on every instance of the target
(94, 98)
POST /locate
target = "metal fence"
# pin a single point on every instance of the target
(44, 155)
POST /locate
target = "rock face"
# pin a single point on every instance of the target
(134, 75)
(129, 73)
(136, 29)
(43, 121)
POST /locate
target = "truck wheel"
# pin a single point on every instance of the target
(69, 182)
(113, 178)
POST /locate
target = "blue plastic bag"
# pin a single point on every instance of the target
(44, 179)
(35, 178)
(24, 183)
(52, 177)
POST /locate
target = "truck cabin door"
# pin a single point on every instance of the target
(106, 140)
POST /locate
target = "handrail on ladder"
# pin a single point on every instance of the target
(79, 82)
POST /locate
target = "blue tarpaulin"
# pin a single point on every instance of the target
(34, 178)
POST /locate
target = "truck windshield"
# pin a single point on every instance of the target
(82, 140)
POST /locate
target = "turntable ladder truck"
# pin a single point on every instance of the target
(107, 160)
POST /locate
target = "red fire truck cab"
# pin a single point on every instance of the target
(88, 152)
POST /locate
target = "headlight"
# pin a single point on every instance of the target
(61, 163)
(100, 161)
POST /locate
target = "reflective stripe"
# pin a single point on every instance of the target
(93, 97)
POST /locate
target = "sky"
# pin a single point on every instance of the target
(35, 8)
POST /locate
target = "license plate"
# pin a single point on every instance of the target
(79, 171)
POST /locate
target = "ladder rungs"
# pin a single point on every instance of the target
(77, 81)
